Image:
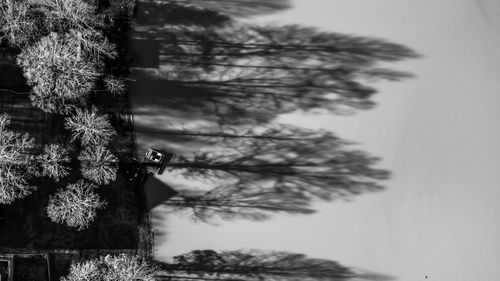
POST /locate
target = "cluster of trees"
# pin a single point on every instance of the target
(63, 52)
(112, 268)
(63, 49)
(20, 163)
(242, 265)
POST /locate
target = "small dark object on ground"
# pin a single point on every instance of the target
(154, 155)
(155, 160)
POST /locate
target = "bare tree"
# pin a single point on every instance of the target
(115, 86)
(76, 205)
(230, 203)
(13, 185)
(98, 164)
(56, 103)
(24, 22)
(15, 168)
(56, 72)
(63, 66)
(18, 22)
(112, 268)
(90, 128)
(94, 46)
(53, 161)
(14, 145)
(61, 16)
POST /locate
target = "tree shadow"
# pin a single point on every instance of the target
(263, 172)
(11, 75)
(143, 53)
(191, 101)
(243, 73)
(320, 168)
(229, 203)
(258, 265)
(174, 13)
(239, 8)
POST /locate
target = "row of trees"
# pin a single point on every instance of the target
(248, 265)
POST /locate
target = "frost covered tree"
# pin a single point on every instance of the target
(19, 24)
(24, 22)
(115, 86)
(53, 161)
(98, 164)
(63, 15)
(63, 65)
(15, 168)
(90, 128)
(112, 268)
(60, 79)
(76, 205)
